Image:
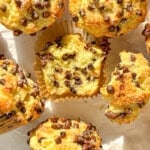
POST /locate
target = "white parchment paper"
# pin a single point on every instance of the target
(133, 136)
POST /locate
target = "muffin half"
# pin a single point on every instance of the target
(70, 67)
(109, 18)
(29, 16)
(64, 134)
(19, 97)
(129, 88)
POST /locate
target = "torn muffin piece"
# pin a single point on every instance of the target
(109, 18)
(29, 16)
(19, 97)
(70, 67)
(129, 88)
(146, 34)
(64, 134)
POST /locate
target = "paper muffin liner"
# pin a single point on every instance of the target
(9, 122)
(60, 29)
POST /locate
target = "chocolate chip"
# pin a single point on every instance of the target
(38, 5)
(125, 70)
(46, 14)
(56, 84)
(2, 57)
(75, 125)
(139, 13)
(4, 66)
(23, 21)
(79, 140)
(91, 7)
(2, 81)
(72, 90)
(3, 7)
(110, 89)
(78, 81)
(23, 109)
(133, 58)
(146, 31)
(56, 126)
(18, 3)
(10, 114)
(112, 28)
(106, 18)
(61, 5)
(58, 140)
(35, 15)
(67, 83)
(54, 119)
(82, 12)
(47, 45)
(20, 83)
(84, 71)
(35, 92)
(141, 104)
(68, 56)
(133, 75)
(68, 75)
(59, 70)
(101, 7)
(62, 134)
(17, 32)
(46, 4)
(123, 20)
(90, 66)
(38, 110)
(75, 19)
(30, 118)
(119, 1)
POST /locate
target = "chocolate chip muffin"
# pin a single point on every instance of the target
(146, 33)
(64, 134)
(129, 88)
(70, 67)
(19, 97)
(29, 16)
(109, 18)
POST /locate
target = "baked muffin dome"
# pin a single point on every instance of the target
(64, 134)
(19, 96)
(129, 88)
(29, 16)
(109, 18)
(71, 67)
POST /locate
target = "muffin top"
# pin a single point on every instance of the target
(19, 95)
(71, 67)
(129, 88)
(146, 33)
(64, 134)
(108, 17)
(29, 16)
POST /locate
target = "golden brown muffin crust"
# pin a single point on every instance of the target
(108, 18)
(29, 16)
(64, 134)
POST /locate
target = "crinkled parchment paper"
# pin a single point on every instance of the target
(133, 136)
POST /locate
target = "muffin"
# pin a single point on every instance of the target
(29, 16)
(64, 134)
(19, 97)
(146, 33)
(109, 18)
(129, 88)
(70, 67)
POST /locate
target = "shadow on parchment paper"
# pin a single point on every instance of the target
(25, 52)
(4, 47)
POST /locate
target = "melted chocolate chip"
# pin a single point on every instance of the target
(20, 83)
(18, 3)
(91, 7)
(72, 90)
(133, 58)
(90, 66)
(62, 134)
(17, 32)
(47, 45)
(68, 75)
(2, 57)
(46, 14)
(133, 75)
(2, 81)
(84, 71)
(56, 84)
(58, 140)
(67, 83)
(82, 12)
(110, 89)
(54, 119)
(39, 5)
(23, 21)
(75, 18)
(35, 15)
(119, 1)
(3, 7)
(112, 28)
